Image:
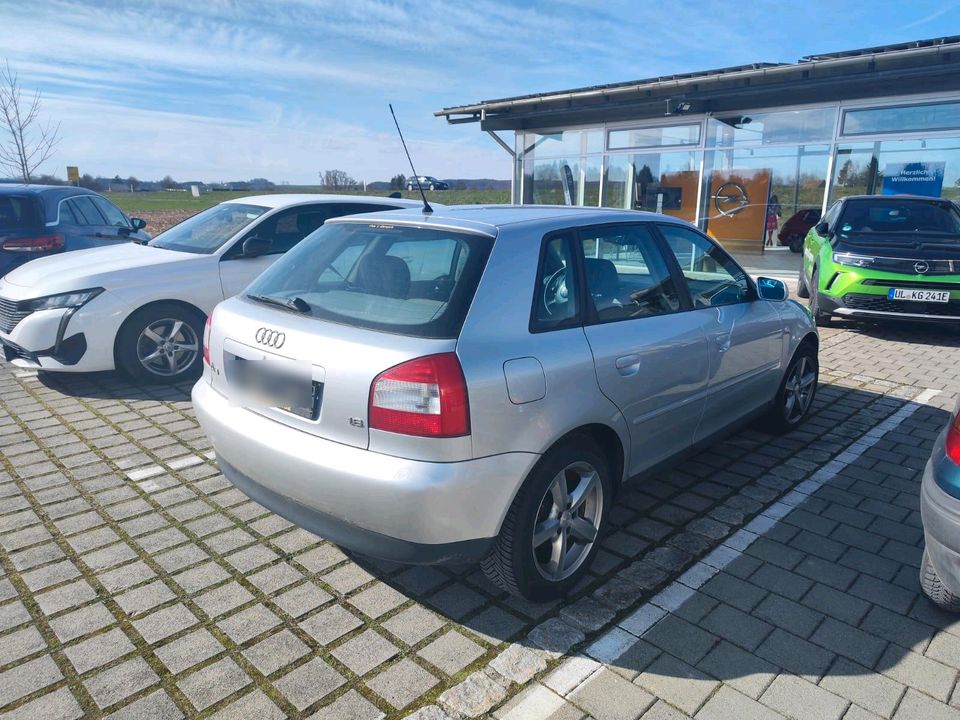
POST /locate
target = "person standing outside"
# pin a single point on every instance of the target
(774, 211)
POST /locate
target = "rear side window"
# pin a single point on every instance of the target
(555, 302)
(407, 280)
(18, 212)
(111, 212)
(86, 212)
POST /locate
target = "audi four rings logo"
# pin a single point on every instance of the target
(270, 338)
(921, 267)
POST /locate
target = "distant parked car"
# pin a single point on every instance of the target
(476, 383)
(141, 308)
(427, 182)
(940, 512)
(876, 257)
(795, 229)
(40, 220)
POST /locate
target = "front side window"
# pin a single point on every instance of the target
(627, 276)
(207, 231)
(111, 212)
(555, 294)
(712, 276)
(407, 280)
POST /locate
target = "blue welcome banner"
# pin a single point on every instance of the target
(916, 178)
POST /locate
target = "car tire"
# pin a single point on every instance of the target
(519, 566)
(172, 333)
(796, 393)
(802, 290)
(795, 243)
(934, 589)
(820, 318)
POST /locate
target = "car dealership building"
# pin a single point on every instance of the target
(715, 147)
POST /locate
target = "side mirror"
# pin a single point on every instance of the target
(771, 289)
(255, 247)
(822, 228)
(138, 223)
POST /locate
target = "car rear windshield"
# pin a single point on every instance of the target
(18, 212)
(206, 231)
(892, 216)
(402, 279)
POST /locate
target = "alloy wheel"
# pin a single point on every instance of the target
(167, 347)
(568, 521)
(799, 389)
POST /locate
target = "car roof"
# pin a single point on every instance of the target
(906, 197)
(488, 219)
(279, 200)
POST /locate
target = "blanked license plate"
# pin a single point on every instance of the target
(260, 383)
(917, 295)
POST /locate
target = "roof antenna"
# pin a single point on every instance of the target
(426, 206)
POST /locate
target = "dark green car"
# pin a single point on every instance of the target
(884, 257)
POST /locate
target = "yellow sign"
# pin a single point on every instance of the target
(73, 174)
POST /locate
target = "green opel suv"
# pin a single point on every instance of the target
(884, 257)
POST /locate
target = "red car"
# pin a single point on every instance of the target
(795, 229)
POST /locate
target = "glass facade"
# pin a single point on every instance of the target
(741, 177)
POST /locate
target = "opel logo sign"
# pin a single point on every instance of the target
(270, 338)
(731, 198)
(921, 267)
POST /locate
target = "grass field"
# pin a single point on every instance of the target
(133, 203)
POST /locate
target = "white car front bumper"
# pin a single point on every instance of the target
(67, 340)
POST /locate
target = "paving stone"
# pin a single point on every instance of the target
(733, 591)
(26, 678)
(607, 695)
(736, 626)
(120, 681)
(163, 623)
(518, 663)
(795, 697)
(81, 622)
(728, 704)
(849, 642)
(275, 578)
(365, 652)
(347, 578)
(252, 705)
(156, 706)
(248, 623)
(456, 601)
(330, 624)
(916, 706)
(681, 639)
(789, 615)
(837, 604)
(203, 576)
(587, 615)
(867, 689)
(918, 672)
(740, 669)
(555, 637)
(98, 650)
(897, 628)
(451, 652)
(676, 682)
(349, 706)
(795, 654)
(430, 712)
(187, 651)
(57, 705)
(223, 599)
(945, 648)
(377, 600)
(302, 599)
(139, 600)
(402, 683)
(276, 651)
(213, 683)
(474, 696)
(310, 682)
(537, 702)
(20, 644)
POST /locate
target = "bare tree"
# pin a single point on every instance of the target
(29, 143)
(337, 179)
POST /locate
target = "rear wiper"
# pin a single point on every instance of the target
(297, 304)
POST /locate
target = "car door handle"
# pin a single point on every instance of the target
(628, 365)
(723, 342)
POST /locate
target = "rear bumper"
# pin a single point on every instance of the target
(941, 525)
(384, 506)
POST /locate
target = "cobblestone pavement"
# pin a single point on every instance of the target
(765, 577)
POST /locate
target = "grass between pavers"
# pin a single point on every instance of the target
(132, 203)
(232, 650)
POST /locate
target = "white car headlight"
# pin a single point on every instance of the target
(64, 300)
(844, 258)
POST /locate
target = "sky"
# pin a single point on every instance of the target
(218, 90)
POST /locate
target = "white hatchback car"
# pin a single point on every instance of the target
(141, 308)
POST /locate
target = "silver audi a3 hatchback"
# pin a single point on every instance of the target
(476, 383)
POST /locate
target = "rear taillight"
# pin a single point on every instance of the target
(426, 397)
(953, 440)
(206, 339)
(37, 243)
